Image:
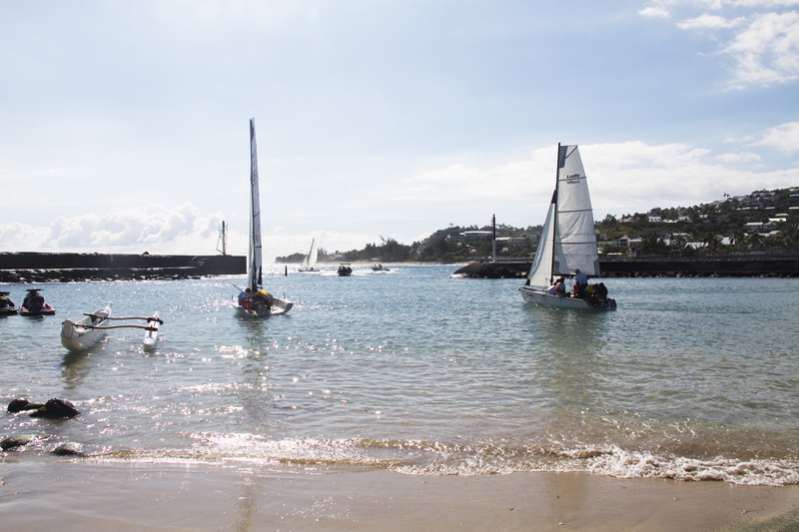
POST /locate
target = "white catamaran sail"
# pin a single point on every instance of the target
(309, 262)
(257, 305)
(568, 241)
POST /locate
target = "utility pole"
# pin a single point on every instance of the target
(222, 239)
(493, 238)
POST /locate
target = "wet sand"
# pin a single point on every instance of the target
(123, 496)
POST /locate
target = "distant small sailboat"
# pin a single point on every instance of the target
(258, 303)
(568, 241)
(81, 335)
(309, 262)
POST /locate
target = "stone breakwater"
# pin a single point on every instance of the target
(729, 266)
(66, 267)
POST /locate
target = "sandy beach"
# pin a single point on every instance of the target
(120, 496)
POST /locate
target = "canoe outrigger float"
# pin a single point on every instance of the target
(84, 334)
(151, 332)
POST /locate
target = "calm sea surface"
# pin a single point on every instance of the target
(420, 373)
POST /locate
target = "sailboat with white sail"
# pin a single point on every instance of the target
(309, 262)
(567, 246)
(256, 302)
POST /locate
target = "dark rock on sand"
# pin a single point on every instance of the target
(18, 405)
(56, 409)
(20, 440)
(69, 449)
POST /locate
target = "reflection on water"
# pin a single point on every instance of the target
(74, 368)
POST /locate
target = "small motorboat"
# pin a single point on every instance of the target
(81, 335)
(344, 270)
(380, 268)
(7, 307)
(35, 305)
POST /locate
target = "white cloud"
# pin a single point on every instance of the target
(784, 137)
(762, 3)
(623, 177)
(767, 50)
(706, 21)
(763, 46)
(654, 12)
(738, 157)
(155, 229)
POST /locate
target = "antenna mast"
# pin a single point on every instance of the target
(222, 241)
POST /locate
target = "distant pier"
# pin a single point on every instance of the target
(65, 267)
(726, 266)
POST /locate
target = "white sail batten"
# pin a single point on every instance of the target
(540, 274)
(255, 252)
(574, 240)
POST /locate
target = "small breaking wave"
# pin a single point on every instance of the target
(434, 458)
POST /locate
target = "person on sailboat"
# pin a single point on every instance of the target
(580, 283)
(245, 298)
(262, 299)
(559, 288)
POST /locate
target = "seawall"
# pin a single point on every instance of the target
(727, 266)
(38, 267)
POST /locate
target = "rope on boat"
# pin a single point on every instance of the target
(105, 328)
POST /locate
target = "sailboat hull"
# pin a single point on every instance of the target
(545, 299)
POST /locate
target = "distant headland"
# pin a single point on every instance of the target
(765, 222)
(753, 235)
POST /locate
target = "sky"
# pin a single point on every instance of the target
(124, 125)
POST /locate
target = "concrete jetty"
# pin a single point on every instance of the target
(41, 267)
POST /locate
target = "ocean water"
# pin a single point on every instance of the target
(423, 374)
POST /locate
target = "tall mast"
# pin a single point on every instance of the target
(493, 238)
(555, 217)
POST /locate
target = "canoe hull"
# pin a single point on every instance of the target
(545, 299)
(76, 338)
